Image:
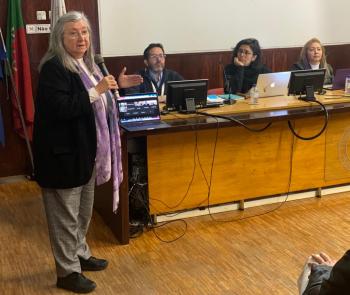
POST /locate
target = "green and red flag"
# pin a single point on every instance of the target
(17, 51)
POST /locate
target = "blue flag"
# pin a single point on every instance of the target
(2, 54)
(2, 58)
(2, 131)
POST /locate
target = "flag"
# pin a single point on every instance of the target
(2, 131)
(58, 8)
(2, 54)
(2, 59)
(19, 60)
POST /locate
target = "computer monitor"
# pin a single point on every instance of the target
(191, 90)
(306, 83)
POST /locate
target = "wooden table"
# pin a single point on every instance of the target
(245, 164)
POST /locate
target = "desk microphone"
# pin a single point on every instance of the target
(227, 82)
(101, 64)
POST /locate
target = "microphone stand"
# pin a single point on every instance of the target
(228, 82)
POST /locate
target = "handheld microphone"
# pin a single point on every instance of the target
(228, 83)
(102, 66)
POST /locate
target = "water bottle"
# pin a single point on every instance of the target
(347, 86)
(254, 94)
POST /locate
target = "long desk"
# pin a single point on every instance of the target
(241, 165)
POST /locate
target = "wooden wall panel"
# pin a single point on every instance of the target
(210, 64)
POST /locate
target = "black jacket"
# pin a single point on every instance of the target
(64, 139)
(325, 280)
(146, 86)
(241, 79)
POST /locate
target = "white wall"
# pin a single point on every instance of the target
(128, 26)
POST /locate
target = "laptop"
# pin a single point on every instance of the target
(339, 79)
(139, 112)
(273, 84)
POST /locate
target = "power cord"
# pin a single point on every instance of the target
(189, 184)
(152, 226)
(235, 120)
(212, 167)
(320, 132)
(279, 205)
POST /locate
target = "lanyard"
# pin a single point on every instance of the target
(155, 89)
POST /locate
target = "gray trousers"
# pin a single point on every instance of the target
(68, 213)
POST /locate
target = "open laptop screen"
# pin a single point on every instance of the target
(339, 78)
(139, 108)
(273, 84)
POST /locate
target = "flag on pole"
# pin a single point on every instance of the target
(2, 58)
(19, 60)
(2, 131)
(2, 54)
(58, 8)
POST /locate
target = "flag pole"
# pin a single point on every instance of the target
(9, 71)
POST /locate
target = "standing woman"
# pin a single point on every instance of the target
(76, 142)
(245, 68)
(313, 56)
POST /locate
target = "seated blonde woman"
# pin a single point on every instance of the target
(313, 56)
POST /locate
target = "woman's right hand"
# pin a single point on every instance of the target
(237, 62)
(107, 83)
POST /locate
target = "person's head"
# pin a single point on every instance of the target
(247, 51)
(313, 53)
(71, 39)
(154, 57)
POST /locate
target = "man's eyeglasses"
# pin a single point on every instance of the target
(245, 52)
(157, 56)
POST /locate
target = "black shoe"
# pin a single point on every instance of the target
(93, 264)
(76, 282)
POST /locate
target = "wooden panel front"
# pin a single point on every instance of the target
(337, 168)
(246, 164)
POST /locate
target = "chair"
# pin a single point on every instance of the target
(216, 91)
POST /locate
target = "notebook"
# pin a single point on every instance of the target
(339, 79)
(140, 112)
(273, 84)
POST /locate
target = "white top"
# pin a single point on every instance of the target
(315, 67)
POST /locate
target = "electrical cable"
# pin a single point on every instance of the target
(236, 121)
(189, 184)
(320, 132)
(150, 221)
(255, 215)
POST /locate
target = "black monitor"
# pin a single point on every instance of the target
(191, 90)
(306, 83)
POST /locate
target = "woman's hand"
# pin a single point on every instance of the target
(107, 83)
(126, 81)
(237, 62)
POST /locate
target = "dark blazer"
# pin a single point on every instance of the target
(64, 139)
(241, 79)
(146, 86)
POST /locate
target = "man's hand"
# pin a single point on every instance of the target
(126, 81)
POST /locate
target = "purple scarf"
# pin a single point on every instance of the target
(108, 154)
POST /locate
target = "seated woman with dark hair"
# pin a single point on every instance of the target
(245, 68)
(313, 56)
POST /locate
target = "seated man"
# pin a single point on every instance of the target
(322, 276)
(155, 75)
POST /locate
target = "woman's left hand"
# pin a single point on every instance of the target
(126, 81)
